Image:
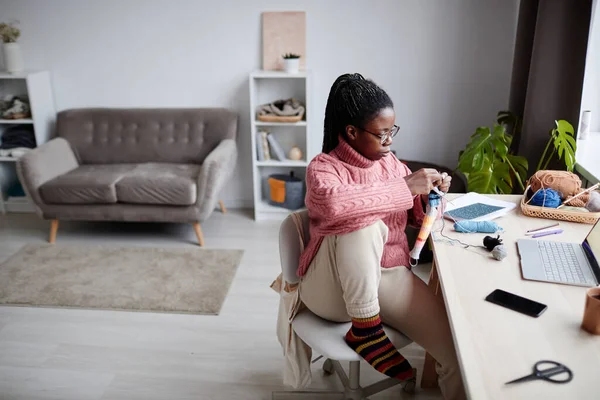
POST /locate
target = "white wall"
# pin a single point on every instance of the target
(445, 63)
(591, 84)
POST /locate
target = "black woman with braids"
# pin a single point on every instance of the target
(355, 266)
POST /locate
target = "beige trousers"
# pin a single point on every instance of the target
(345, 280)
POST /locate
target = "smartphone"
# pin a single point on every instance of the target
(516, 303)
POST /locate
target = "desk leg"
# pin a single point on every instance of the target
(429, 379)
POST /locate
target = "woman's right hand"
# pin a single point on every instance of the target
(423, 181)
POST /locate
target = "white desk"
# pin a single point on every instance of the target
(496, 345)
(588, 158)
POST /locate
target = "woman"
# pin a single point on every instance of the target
(359, 199)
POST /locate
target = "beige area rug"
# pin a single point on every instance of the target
(118, 278)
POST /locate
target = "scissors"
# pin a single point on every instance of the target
(548, 373)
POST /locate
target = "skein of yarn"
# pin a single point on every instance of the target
(477, 226)
(564, 182)
(546, 198)
(494, 244)
(499, 252)
(593, 204)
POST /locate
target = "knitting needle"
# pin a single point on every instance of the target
(542, 228)
(576, 196)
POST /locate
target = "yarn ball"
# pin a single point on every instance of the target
(499, 252)
(594, 203)
(491, 242)
(546, 198)
(477, 226)
(564, 182)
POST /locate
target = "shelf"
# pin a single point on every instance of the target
(16, 75)
(6, 158)
(278, 74)
(16, 121)
(286, 163)
(260, 123)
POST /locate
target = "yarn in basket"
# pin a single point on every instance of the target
(546, 198)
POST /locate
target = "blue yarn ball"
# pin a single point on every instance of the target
(546, 198)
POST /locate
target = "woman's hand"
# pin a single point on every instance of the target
(446, 181)
(424, 180)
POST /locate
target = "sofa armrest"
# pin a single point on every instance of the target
(215, 171)
(42, 164)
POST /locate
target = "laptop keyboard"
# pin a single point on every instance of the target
(560, 262)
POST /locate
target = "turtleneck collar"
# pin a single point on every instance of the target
(347, 154)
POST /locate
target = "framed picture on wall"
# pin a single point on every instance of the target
(282, 33)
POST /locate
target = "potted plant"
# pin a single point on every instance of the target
(489, 165)
(291, 63)
(9, 32)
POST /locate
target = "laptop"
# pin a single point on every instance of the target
(568, 263)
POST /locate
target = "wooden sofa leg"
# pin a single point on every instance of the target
(223, 209)
(198, 230)
(53, 230)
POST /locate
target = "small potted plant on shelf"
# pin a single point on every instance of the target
(10, 32)
(291, 63)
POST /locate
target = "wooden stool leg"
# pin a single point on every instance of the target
(53, 230)
(429, 379)
(223, 209)
(198, 230)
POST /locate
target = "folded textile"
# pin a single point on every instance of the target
(284, 108)
(18, 136)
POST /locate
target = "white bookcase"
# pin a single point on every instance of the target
(37, 87)
(266, 87)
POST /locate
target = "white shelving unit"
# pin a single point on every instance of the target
(38, 89)
(266, 87)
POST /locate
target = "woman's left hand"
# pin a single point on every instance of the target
(446, 181)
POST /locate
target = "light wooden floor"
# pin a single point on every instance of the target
(90, 354)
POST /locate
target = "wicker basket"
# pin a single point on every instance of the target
(277, 118)
(554, 213)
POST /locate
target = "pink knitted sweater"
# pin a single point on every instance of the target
(347, 192)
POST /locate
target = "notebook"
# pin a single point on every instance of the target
(476, 207)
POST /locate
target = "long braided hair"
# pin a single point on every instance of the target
(353, 100)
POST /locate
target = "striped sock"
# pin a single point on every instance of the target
(367, 338)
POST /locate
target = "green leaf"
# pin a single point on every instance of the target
(493, 178)
(499, 131)
(563, 126)
(474, 154)
(478, 160)
(564, 143)
(501, 147)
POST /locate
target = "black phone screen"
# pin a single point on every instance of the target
(516, 303)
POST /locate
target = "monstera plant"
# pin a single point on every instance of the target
(487, 163)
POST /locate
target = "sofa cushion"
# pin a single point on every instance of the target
(87, 184)
(167, 135)
(159, 183)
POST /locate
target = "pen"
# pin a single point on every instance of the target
(545, 227)
(554, 232)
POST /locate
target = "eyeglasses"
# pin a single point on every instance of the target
(385, 135)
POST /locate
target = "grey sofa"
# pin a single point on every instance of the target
(155, 165)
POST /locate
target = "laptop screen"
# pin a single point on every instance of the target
(593, 240)
(591, 245)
